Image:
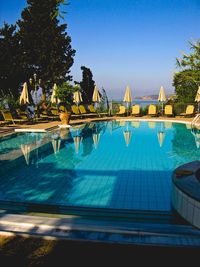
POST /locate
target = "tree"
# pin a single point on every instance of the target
(187, 80)
(10, 69)
(46, 47)
(87, 85)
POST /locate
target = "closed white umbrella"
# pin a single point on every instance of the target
(162, 97)
(197, 98)
(54, 99)
(24, 97)
(96, 96)
(77, 97)
(127, 97)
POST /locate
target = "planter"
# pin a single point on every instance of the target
(65, 117)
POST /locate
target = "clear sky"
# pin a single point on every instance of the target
(126, 42)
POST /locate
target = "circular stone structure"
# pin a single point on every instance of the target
(186, 192)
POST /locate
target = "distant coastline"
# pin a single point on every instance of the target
(149, 97)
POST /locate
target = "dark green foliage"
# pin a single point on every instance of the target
(65, 93)
(45, 44)
(10, 69)
(186, 85)
(87, 85)
(39, 45)
(186, 81)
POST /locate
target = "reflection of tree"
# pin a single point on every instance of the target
(183, 145)
(87, 135)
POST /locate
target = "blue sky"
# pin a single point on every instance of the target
(126, 42)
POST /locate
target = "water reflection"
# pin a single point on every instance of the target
(135, 124)
(77, 141)
(56, 145)
(26, 149)
(196, 135)
(184, 145)
(127, 137)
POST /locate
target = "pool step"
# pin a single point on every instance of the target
(95, 213)
(101, 231)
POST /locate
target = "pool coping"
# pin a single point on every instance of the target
(59, 126)
(138, 233)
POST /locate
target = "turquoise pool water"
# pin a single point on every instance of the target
(115, 165)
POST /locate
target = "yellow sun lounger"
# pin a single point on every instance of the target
(135, 110)
(122, 110)
(152, 111)
(188, 112)
(168, 111)
(9, 118)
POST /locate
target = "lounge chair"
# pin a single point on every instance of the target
(188, 112)
(84, 112)
(168, 111)
(135, 110)
(152, 111)
(9, 117)
(75, 112)
(122, 110)
(92, 109)
(48, 114)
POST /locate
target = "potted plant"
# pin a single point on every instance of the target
(64, 93)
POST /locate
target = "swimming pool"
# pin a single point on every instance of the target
(117, 165)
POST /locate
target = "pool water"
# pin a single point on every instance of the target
(116, 165)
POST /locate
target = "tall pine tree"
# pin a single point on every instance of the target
(87, 85)
(10, 71)
(46, 46)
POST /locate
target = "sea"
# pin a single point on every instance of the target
(142, 103)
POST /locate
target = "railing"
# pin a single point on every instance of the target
(195, 120)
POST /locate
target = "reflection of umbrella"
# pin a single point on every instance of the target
(26, 149)
(96, 138)
(197, 98)
(24, 98)
(77, 97)
(77, 140)
(127, 137)
(54, 99)
(127, 97)
(161, 137)
(196, 138)
(96, 96)
(56, 145)
(162, 97)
